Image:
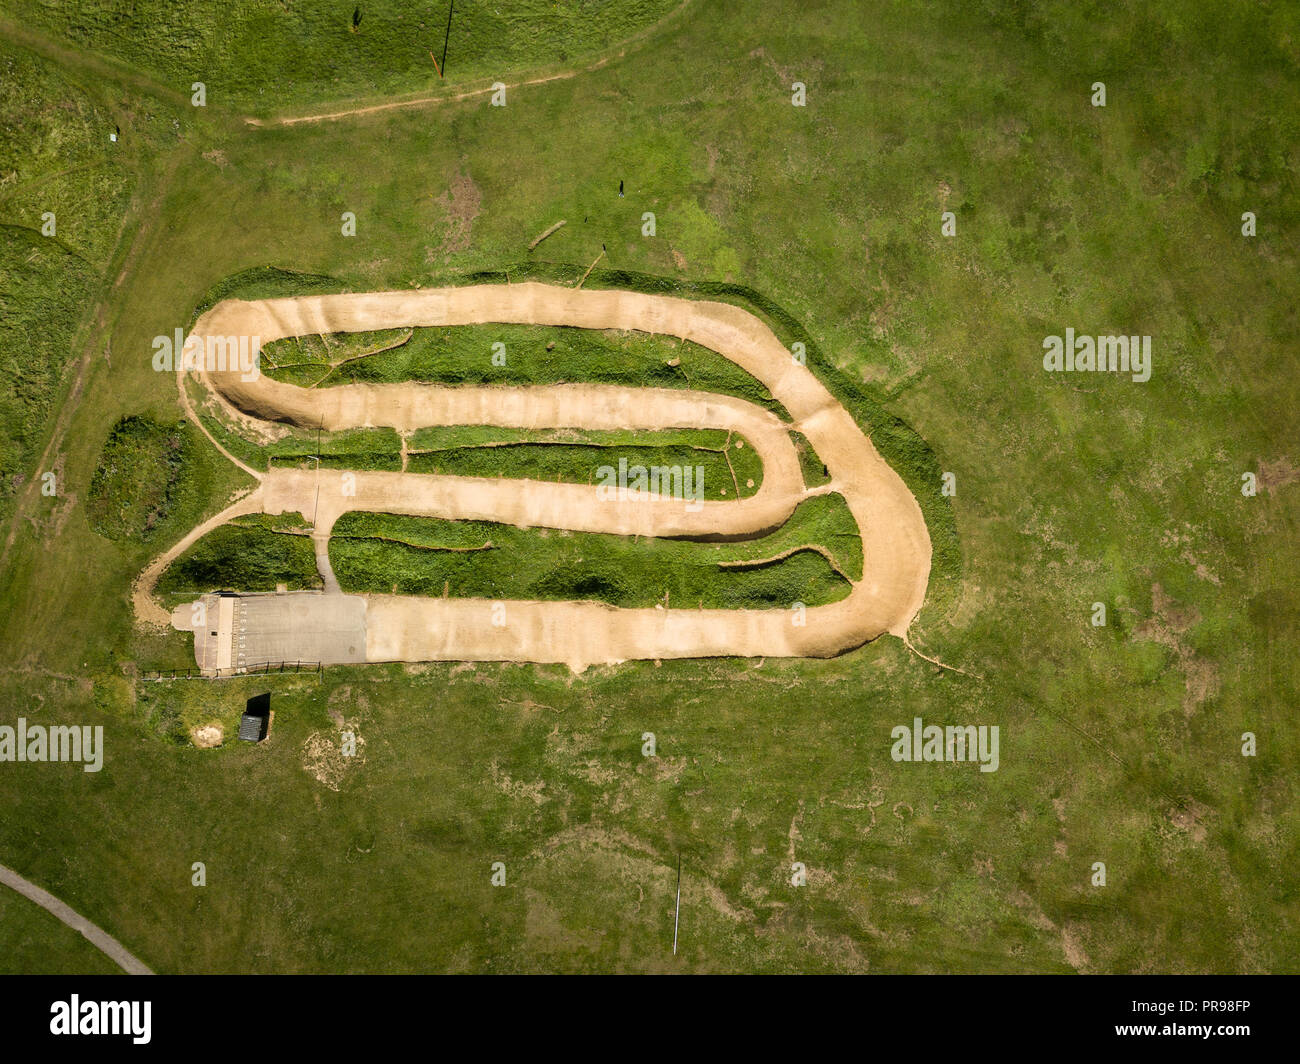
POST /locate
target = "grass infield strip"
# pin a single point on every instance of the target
(392, 554)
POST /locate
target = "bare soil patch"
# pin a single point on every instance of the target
(460, 203)
(207, 736)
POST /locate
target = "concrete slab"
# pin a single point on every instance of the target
(225, 631)
(299, 626)
(202, 617)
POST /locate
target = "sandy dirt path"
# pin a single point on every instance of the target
(100, 939)
(896, 545)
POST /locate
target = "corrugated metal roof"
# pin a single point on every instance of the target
(252, 728)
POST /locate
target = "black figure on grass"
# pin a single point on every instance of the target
(620, 190)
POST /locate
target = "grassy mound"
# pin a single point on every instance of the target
(254, 553)
(136, 482)
(392, 554)
(534, 354)
(729, 466)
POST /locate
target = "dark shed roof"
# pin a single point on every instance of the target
(257, 716)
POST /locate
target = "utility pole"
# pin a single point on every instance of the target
(442, 70)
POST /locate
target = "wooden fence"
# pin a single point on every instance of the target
(261, 669)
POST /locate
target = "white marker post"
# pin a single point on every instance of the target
(678, 914)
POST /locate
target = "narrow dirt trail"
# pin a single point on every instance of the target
(895, 542)
(433, 99)
(96, 936)
(91, 337)
(147, 608)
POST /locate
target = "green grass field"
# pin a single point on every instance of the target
(306, 53)
(1121, 744)
(34, 942)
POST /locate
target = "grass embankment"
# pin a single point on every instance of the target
(533, 354)
(379, 449)
(814, 470)
(256, 552)
(725, 466)
(387, 553)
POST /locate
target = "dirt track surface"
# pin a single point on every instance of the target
(895, 543)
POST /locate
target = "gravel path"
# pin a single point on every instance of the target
(97, 937)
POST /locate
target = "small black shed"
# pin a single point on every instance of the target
(254, 723)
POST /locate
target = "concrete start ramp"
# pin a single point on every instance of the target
(240, 632)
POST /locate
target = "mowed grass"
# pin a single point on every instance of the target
(35, 942)
(1119, 744)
